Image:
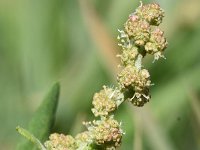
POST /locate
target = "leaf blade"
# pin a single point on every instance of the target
(43, 119)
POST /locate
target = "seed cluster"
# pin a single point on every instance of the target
(128, 56)
(141, 30)
(106, 101)
(152, 13)
(156, 44)
(106, 131)
(60, 142)
(137, 80)
(138, 30)
(140, 36)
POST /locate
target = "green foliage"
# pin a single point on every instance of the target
(43, 119)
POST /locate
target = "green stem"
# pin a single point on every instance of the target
(30, 137)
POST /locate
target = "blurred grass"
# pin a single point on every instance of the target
(44, 41)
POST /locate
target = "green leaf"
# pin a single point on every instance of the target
(43, 119)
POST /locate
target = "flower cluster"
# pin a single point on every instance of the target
(60, 142)
(156, 44)
(141, 30)
(106, 101)
(137, 29)
(140, 36)
(106, 132)
(137, 80)
(152, 13)
(128, 56)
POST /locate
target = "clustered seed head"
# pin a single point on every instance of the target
(131, 76)
(139, 37)
(128, 56)
(137, 81)
(140, 31)
(157, 43)
(137, 29)
(151, 13)
(106, 101)
(106, 132)
(103, 102)
(60, 142)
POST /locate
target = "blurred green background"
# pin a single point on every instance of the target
(74, 42)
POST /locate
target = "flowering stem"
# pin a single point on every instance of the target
(140, 36)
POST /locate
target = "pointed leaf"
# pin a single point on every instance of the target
(43, 119)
